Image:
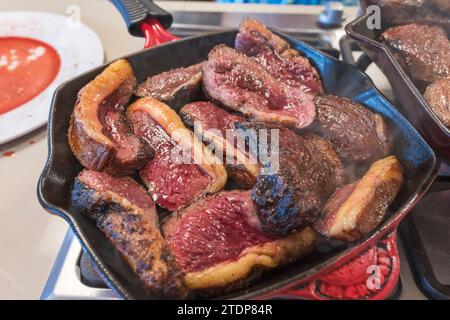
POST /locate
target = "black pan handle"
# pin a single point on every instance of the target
(347, 47)
(135, 12)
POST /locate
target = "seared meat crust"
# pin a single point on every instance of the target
(127, 216)
(217, 127)
(241, 84)
(438, 97)
(168, 173)
(99, 135)
(423, 51)
(174, 87)
(290, 192)
(357, 133)
(217, 248)
(358, 208)
(277, 57)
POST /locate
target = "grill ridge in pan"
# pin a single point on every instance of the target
(338, 77)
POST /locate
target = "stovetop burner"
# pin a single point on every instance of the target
(65, 280)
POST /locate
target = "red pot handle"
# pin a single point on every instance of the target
(147, 19)
(371, 275)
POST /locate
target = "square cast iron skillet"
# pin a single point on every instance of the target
(339, 78)
(413, 104)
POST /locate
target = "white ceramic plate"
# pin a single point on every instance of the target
(79, 49)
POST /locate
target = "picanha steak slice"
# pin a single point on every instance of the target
(175, 87)
(438, 97)
(289, 196)
(126, 214)
(358, 208)
(357, 133)
(423, 51)
(277, 57)
(239, 83)
(99, 135)
(216, 248)
(182, 168)
(217, 127)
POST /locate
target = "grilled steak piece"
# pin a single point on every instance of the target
(126, 214)
(175, 87)
(242, 84)
(217, 127)
(216, 248)
(442, 5)
(438, 97)
(397, 12)
(99, 136)
(182, 168)
(356, 133)
(293, 187)
(423, 50)
(255, 40)
(255, 27)
(358, 208)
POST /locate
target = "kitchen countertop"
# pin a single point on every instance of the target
(30, 237)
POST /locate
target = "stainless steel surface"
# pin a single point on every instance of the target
(304, 25)
(64, 282)
(284, 22)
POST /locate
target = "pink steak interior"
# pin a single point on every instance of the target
(171, 184)
(214, 231)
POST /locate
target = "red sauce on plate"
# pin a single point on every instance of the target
(9, 154)
(27, 67)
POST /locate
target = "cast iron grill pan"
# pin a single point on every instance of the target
(338, 77)
(413, 104)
